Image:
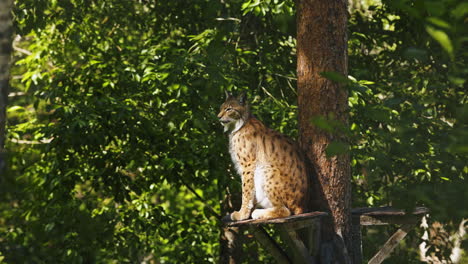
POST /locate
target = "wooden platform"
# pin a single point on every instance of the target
(289, 219)
(302, 233)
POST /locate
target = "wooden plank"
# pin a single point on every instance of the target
(391, 243)
(369, 220)
(387, 215)
(302, 224)
(379, 211)
(269, 244)
(300, 252)
(289, 219)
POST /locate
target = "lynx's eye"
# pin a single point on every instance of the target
(228, 109)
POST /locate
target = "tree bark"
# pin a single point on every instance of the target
(322, 47)
(6, 32)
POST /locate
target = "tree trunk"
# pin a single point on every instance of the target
(322, 47)
(6, 31)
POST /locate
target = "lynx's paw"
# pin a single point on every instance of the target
(270, 213)
(240, 215)
(258, 214)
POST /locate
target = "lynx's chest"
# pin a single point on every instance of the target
(236, 151)
(242, 150)
(244, 156)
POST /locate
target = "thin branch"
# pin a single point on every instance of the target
(16, 94)
(20, 50)
(31, 142)
(284, 76)
(212, 211)
(228, 19)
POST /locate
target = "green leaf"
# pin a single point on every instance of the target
(441, 37)
(461, 10)
(323, 123)
(335, 76)
(438, 22)
(336, 148)
(15, 108)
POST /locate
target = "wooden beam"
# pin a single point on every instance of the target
(391, 243)
(371, 220)
(302, 224)
(368, 216)
(387, 215)
(289, 219)
(269, 244)
(386, 210)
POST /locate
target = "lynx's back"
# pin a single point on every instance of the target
(271, 166)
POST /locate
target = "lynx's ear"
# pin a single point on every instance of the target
(242, 98)
(228, 94)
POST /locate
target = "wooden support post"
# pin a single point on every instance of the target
(326, 253)
(313, 238)
(356, 237)
(391, 243)
(269, 244)
(300, 252)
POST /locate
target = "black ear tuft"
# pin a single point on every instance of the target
(242, 98)
(228, 94)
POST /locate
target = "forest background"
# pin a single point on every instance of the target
(114, 149)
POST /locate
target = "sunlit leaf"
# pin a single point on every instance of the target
(438, 22)
(336, 148)
(441, 37)
(335, 76)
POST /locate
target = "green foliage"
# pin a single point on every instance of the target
(407, 121)
(127, 94)
(117, 128)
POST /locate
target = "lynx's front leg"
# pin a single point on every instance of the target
(248, 196)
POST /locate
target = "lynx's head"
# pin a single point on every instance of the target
(234, 112)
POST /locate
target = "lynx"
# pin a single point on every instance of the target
(272, 167)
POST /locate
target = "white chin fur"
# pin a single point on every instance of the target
(234, 126)
(238, 125)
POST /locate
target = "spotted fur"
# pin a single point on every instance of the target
(272, 167)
